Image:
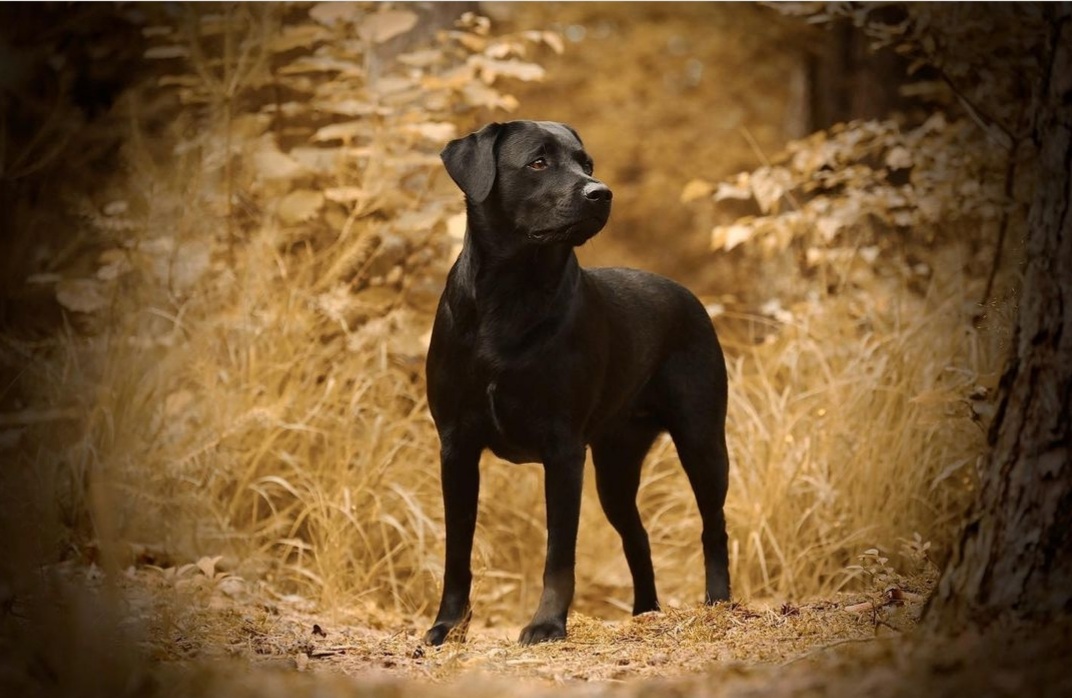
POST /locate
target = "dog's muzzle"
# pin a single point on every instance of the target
(597, 192)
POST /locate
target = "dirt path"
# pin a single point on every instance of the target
(231, 638)
(198, 621)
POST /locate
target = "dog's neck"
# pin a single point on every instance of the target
(518, 290)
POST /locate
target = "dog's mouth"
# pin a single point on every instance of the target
(576, 233)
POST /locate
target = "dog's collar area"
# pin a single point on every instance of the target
(491, 408)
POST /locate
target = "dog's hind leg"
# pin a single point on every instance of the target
(617, 457)
(695, 412)
(703, 455)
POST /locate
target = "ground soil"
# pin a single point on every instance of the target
(228, 637)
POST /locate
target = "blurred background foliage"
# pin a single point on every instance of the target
(227, 228)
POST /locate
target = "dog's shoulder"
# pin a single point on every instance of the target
(630, 283)
(632, 294)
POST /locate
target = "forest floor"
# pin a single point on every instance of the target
(208, 633)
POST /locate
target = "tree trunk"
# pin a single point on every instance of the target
(1015, 554)
(847, 79)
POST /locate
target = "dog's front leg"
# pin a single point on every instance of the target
(460, 467)
(563, 479)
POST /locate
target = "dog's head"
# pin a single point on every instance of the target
(533, 177)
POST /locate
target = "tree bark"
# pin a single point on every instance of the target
(1015, 554)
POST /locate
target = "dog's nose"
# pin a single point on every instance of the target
(597, 191)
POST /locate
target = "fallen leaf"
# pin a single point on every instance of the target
(862, 607)
(207, 565)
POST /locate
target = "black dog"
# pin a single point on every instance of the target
(536, 358)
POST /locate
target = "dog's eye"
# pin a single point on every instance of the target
(589, 167)
(539, 164)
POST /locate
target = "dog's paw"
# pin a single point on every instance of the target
(449, 630)
(445, 632)
(437, 634)
(544, 631)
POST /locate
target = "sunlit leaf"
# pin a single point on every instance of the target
(421, 59)
(82, 295)
(345, 131)
(436, 131)
(899, 158)
(179, 81)
(390, 85)
(300, 206)
(188, 263)
(271, 163)
(769, 184)
(739, 189)
(554, 40)
(477, 94)
(386, 25)
(344, 195)
(321, 64)
(331, 13)
(173, 51)
(321, 160)
(696, 189)
(297, 36)
(418, 220)
(726, 237)
(490, 69)
(348, 107)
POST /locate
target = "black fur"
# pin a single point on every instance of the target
(536, 358)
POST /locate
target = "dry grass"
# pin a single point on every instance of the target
(264, 435)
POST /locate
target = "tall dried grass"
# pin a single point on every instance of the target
(261, 432)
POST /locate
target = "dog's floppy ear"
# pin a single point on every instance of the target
(575, 134)
(470, 162)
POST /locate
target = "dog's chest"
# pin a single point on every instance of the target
(520, 417)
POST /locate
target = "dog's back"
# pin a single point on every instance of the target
(661, 341)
